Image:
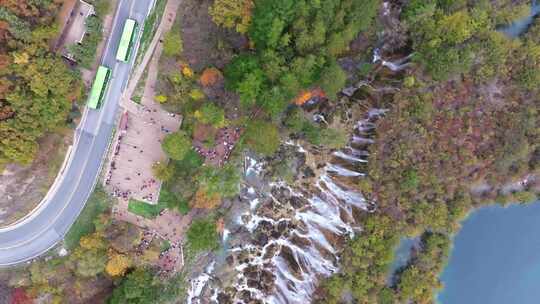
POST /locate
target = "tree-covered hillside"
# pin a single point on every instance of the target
(466, 114)
(36, 87)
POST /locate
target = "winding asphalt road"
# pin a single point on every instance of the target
(48, 224)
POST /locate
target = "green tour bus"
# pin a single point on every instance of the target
(127, 40)
(99, 87)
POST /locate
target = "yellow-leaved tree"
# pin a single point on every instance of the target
(117, 264)
(205, 200)
(232, 14)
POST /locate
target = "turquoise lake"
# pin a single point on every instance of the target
(495, 258)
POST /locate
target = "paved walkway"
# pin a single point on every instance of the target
(139, 147)
(165, 25)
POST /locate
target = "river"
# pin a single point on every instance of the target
(496, 258)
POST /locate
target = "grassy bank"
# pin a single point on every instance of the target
(145, 210)
(149, 28)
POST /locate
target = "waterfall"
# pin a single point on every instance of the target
(395, 66)
(198, 284)
(336, 169)
(226, 234)
(296, 232)
(349, 157)
(386, 8)
(361, 140)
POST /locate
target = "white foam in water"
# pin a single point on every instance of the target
(395, 66)
(295, 144)
(376, 112)
(365, 125)
(362, 140)
(198, 284)
(350, 197)
(312, 263)
(226, 233)
(339, 170)
(253, 223)
(319, 238)
(376, 55)
(357, 152)
(253, 167)
(312, 217)
(254, 203)
(386, 8)
(345, 156)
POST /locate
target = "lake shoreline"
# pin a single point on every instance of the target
(468, 260)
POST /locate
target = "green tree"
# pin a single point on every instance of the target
(202, 235)
(211, 114)
(238, 68)
(138, 287)
(101, 7)
(295, 120)
(221, 181)
(162, 171)
(232, 14)
(250, 88)
(172, 43)
(20, 29)
(262, 137)
(457, 27)
(333, 80)
(176, 145)
(89, 262)
(85, 53)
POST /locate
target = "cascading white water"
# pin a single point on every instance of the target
(396, 65)
(361, 140)
(349, 157)
(198, 284)
(337, 169)
(226, 234)
(295, 231)
(386, 8)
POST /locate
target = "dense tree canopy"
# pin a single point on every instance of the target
(451, 38)
(296, 44)
(442, 135)
(137, 288)
(36, 88)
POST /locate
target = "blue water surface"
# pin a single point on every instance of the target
(520, 26)
(495, 258)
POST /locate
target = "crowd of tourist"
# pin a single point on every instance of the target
(226, 139)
